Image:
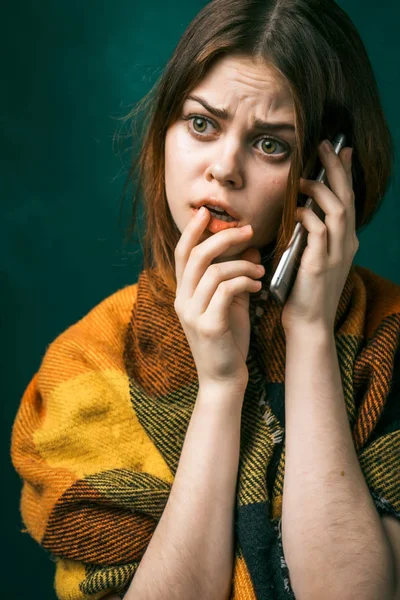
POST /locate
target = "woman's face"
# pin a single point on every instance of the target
(245, 166)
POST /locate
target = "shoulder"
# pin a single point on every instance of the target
(379, 296)
(96, 340)
(378, 287)
(82, 382)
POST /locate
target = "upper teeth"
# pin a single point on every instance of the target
(221, 210)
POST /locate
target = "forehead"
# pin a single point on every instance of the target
(238, 79)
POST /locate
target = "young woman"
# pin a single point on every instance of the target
(190, 438)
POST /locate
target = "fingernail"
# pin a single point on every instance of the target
(326, 146)
(201, 211)
(247, 228)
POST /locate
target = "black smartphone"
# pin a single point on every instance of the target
(285, 274)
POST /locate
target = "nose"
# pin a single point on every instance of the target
(225, 169)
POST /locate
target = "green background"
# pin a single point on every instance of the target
(69, 70)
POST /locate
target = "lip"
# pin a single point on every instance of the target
(218, 204)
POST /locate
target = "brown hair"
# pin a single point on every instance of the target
(314, 45)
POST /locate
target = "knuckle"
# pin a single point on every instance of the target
(317, 185)
(351, 197)
(340, 212)
(188, 319)
(195, 252)
(205, 329)
(310, 184)
(178, 252)
(335, 265)
(216, 270)
(177, 305)
(224, 287)
(187, 315)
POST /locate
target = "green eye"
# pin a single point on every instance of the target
(197, 126)
(270, 147)
(267, 143)
(196, 121)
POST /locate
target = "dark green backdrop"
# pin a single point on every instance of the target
(69, 69)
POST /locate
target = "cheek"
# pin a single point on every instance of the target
(279, 183)
(177, 176)
(278, 189)
(274, 198)
(170, 151)
(275, 189)
(179, 157)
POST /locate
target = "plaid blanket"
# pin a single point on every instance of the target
(100, 428)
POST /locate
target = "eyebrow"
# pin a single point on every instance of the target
(222, 113)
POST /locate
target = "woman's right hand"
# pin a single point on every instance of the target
(212, 301)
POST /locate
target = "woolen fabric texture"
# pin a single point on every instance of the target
(100, 428)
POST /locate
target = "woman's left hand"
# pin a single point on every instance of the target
(331, 246)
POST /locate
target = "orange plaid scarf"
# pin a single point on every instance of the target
(100, 428)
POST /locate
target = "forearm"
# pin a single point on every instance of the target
(190, 554)
(333, 538)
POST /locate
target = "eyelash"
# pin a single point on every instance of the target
(190, 118)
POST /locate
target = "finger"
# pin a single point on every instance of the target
(349, 163)
(201, 256)
(336, 214)
(189, 238)
(217, 313)
(215, 275)
(337, 175)
(338, 217)
(316, 251)
(345, 156)
(322, 244)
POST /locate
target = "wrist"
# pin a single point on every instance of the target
(222, 394)
(315, 331)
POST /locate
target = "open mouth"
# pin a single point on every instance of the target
(221, 215)
(219, 220)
